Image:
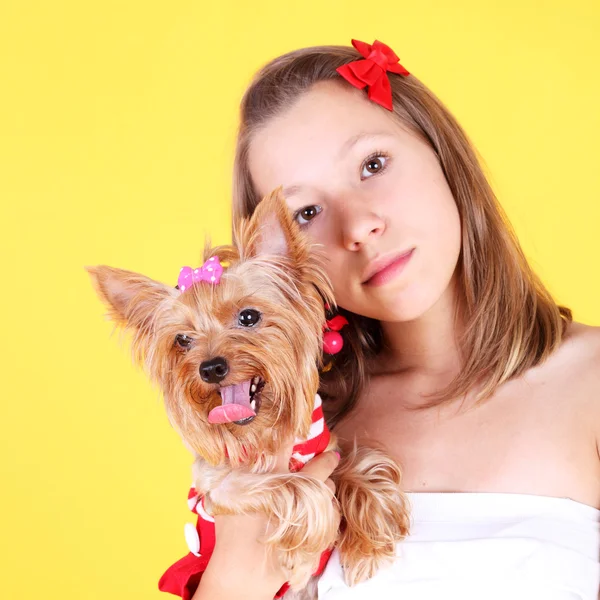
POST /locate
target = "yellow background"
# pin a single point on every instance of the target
(117, 122)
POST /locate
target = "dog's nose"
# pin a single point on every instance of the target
(214, 370)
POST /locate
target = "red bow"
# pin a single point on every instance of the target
(371, 71)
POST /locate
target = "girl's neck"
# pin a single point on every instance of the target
(427, 345)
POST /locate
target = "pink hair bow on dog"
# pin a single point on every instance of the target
(210, 272)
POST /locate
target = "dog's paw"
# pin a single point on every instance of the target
(374, 509)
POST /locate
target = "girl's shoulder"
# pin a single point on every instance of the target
(570, 376)
(582, 348)
(581, 359)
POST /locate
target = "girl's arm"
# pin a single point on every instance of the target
(239, 567)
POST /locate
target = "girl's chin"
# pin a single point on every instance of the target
(399, 308)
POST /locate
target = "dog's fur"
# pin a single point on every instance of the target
(271, 268)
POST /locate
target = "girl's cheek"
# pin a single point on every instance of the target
(320, 231)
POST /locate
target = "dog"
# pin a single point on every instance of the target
(236, 350)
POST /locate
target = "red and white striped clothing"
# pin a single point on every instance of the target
(182, 577)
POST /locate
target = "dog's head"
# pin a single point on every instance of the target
(237, 361)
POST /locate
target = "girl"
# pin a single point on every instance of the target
(457, 358)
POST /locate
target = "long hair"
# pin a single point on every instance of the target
(511, 321)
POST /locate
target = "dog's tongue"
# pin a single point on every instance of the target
(235, 406)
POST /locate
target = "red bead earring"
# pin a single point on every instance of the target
(333, 341)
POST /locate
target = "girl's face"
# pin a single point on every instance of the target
(370, 192)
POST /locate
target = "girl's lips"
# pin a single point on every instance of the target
(390, 271)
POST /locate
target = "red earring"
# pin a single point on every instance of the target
(333, 341)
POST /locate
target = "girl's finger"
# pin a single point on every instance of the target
(322, 465)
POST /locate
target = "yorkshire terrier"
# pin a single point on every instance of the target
(236, 352)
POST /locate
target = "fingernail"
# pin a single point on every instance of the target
(337, 454)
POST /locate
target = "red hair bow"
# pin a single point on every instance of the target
(371, 71)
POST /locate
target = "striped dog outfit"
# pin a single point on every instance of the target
(182, 578)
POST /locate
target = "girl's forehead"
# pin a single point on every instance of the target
(326, 114)
(318, 130)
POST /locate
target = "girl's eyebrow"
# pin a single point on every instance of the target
(352, 141)
(291, 190)
(346, 147)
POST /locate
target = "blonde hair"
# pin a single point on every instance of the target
(512, 322)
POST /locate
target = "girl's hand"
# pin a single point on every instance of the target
(240, 566)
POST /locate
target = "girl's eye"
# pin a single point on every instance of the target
(306, 214)
(249, 317)
(183, 341)
(373, 165)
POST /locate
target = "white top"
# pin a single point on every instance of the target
(485, 546)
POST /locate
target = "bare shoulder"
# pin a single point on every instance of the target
(582, 348)
(570, 376)
(580, 354)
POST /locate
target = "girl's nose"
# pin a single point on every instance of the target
(360, 227)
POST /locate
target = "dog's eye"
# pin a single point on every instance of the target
(249, 317)
(183, 341)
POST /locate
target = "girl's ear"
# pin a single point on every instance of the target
(131, 298)
(270, 230)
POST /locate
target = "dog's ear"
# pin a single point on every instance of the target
(130, 297)
(270, 230)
